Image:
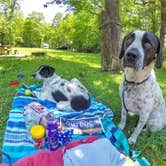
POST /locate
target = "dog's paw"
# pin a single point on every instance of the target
(121, 126)
(132, 140)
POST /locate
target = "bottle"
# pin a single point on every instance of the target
(52, 134)
(37, 133)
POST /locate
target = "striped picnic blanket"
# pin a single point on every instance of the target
(17, 141)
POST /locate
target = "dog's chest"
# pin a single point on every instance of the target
(136, 98)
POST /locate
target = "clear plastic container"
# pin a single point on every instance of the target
(36, 114)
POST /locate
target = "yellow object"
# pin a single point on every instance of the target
(37, 131)
(27, 92)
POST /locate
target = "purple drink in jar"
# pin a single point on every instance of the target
(52, 134)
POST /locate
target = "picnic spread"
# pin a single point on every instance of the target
(87, 137)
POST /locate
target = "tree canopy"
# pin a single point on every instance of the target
(79, 28)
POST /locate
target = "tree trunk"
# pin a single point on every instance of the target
(163, 23)
(110, 36)
(153, 15)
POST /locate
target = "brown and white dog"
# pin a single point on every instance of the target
(140, 93)
(68, 95)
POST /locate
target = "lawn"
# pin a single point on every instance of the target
(102, 85)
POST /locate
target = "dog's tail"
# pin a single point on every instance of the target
(80, 103)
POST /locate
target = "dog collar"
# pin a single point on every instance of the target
(126, 82)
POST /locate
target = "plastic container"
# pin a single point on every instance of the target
(37, 133)
(36, 114)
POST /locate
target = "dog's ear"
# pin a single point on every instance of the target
(122, 51)
(159, 59)
(50, 70)
(41, 66)
(47, 71)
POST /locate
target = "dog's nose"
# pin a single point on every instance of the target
(132, 54)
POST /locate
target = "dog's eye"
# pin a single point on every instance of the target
(42, 73)
(81, 88)
(147, 44)
(129, 41)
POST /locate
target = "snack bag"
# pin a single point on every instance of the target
(90, 125)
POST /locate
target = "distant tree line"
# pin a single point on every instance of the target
(78, 30)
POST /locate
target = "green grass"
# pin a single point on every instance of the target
(102, 85)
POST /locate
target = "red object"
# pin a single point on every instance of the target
(51, 158)
(14, 83)
(39, 143)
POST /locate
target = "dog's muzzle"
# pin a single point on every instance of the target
(131, 58)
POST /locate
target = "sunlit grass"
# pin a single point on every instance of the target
(102, 85)
(66, 56)
(1, 68)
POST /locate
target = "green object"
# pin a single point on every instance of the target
(28, 92)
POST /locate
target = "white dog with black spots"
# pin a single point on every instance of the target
(140, 93)
(68, 95)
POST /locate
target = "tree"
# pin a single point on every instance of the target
(110, 35)
(9, 8)
(4, 30)
(17, 29)
(63, 33)
(32, 33)
(37, 17)
(85, 34)
(140, 14)
(109, 24)
(163, 22)
(57, 19)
